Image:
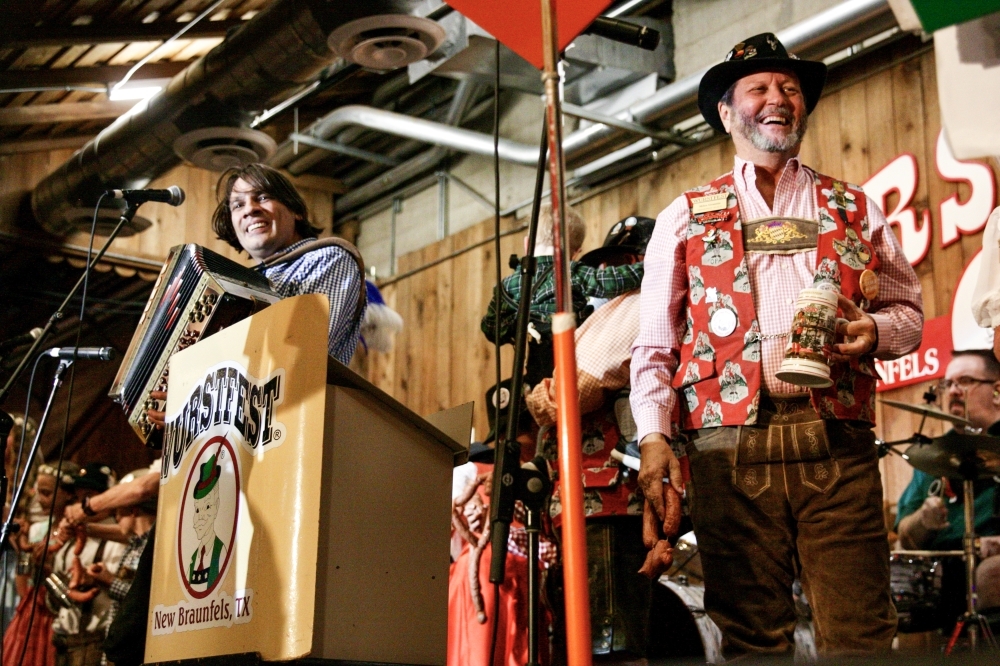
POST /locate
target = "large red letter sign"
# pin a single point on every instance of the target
(900, 175)
(969, 217)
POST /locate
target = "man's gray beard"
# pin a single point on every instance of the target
(747, 126)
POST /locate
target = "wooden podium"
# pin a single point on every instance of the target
(302, 511)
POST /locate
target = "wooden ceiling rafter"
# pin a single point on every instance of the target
(61, 113)
(100, 75)
(31, 37)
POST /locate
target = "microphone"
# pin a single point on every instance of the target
(624, 32)
(87, 353)
(22, 339)
(173, 195)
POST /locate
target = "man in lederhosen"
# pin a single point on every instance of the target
(785, 481)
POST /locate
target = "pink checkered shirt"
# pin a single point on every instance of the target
(776, 281)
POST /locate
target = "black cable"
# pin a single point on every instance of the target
(65, 434)
(499, 438)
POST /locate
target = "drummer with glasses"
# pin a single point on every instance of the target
(930, 511)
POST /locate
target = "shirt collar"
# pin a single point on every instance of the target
(746, 174)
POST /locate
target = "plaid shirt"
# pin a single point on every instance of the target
(587, 282)
(331, 271)
(775, 281)
(130, 562)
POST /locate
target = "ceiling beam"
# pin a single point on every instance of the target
(42, 145)
(25, 37)
(69, 112)
(71, 76)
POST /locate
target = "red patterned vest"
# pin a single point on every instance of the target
(719, 377)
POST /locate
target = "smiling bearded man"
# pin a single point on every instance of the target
(784, 481)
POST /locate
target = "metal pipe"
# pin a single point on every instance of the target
(439, 134)
(825, 33)
(343, 149)
(280, 50)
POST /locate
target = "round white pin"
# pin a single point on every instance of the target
(723, 322)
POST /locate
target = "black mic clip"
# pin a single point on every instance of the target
(625, 32)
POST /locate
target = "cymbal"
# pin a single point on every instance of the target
(957, 455)
(928, 410)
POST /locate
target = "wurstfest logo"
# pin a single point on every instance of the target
(229, 410)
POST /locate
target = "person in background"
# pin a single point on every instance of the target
(587, 282)
(78, 630)
(931, 510)
(135, 523)
(28, 639)
(126, 641)
(9, 558)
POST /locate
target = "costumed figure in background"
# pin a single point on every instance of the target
(83, 613)
(621, 597)
(470, 594)
(30, 631)
(783, 481)
(931, 510)
(587, 281)
(14, 472)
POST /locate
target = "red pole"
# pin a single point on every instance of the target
(574, 529)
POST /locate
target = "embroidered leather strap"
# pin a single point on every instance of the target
(780, 235)
(318, 244)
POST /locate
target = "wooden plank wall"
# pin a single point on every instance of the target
(442, 359)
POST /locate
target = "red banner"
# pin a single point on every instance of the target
(928, 362)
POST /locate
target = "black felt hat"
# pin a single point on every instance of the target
(627, 237)
(760, 53)
(95, 476)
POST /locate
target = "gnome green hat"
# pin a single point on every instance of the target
(210, 473)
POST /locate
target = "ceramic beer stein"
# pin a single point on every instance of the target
(813, 333)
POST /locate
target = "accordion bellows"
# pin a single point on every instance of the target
(197, 293)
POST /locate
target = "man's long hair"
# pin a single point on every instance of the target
(266, 180)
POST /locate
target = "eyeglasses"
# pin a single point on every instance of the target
(964, 383)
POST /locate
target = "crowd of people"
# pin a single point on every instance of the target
(80, 534)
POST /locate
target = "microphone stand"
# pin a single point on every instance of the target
(6, 422)
(530, 483)
(126, 217)
(7, 528)
(508, 451)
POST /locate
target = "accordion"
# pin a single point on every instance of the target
(197, 293)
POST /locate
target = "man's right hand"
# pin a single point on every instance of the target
(74, 514)
(158, 419)
(657, 462)
(933, 515)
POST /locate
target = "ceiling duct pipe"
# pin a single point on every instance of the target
(278, 51)
(816, 37)
(827, 32)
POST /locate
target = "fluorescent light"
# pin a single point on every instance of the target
(124, 94)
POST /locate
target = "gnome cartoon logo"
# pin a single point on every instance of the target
(209, 510)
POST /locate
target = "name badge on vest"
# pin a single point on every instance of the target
(710, 203)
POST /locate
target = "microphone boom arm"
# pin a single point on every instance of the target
(126, 217)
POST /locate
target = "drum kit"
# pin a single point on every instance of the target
(961, 453)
